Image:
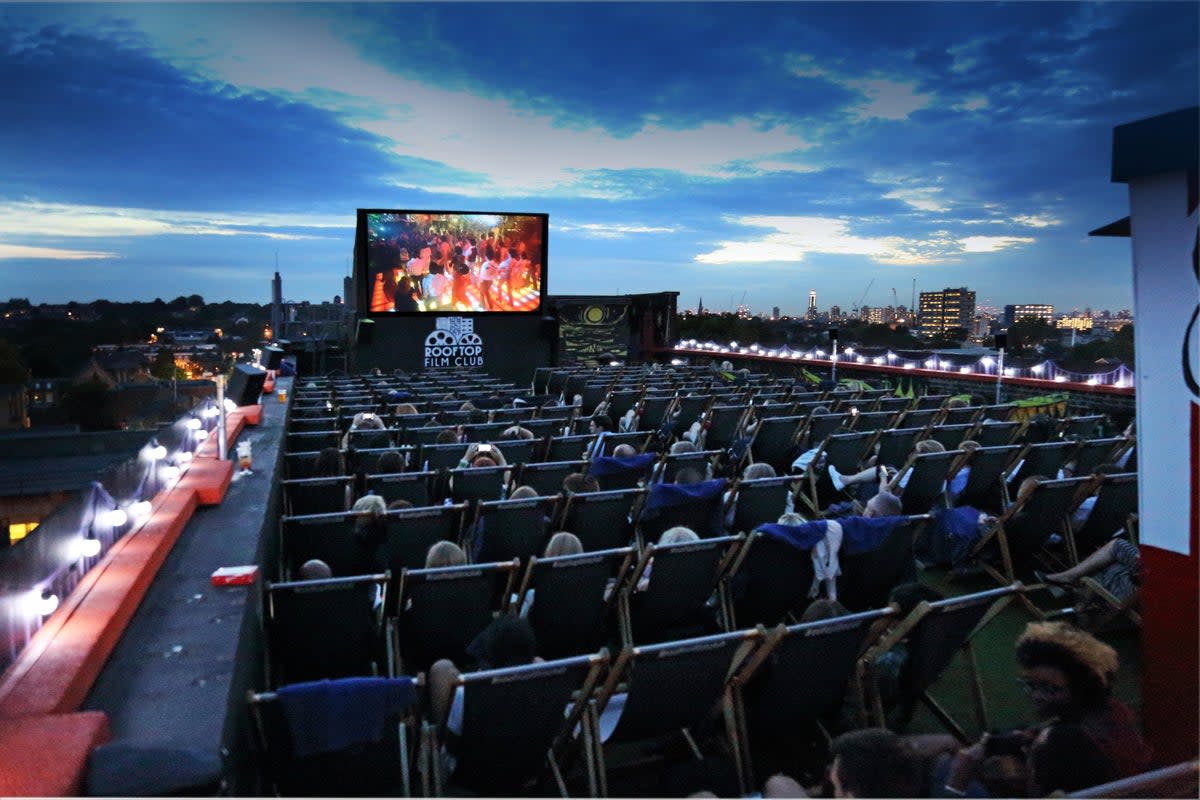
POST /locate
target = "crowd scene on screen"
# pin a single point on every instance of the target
(444, 272)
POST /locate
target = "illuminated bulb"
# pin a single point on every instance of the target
(910, 366)
(987, 362)
(158, 453)
(232, 406)
(1060, 378)
(849, 351)
(209, 412)
(1009, 372)
(184, 457)
(170, 472)
(891, 356)
(89, 547)
(141, 509)
(877, 360)
(820, 353)
(42, 603)
(117, 517)
(202, 435)
(861, 360)
(1038, 368)
(931, 363)
(1092, 382)
(965, 370)
(193, 424)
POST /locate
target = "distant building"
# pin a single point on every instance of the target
(812, 304)
(1019, 311)
(835, 312)
(947, 309)
(775, 312)
(1079, 323)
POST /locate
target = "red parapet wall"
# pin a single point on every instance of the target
(46, 755)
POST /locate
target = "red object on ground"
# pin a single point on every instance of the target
(235, 576)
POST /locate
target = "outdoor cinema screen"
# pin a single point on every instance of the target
(453, 262)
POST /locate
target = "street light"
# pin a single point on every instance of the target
(1001, 342)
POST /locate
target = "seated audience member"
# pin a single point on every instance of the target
(624, 451)
(579, 483)
(599, 426)
(314, 570)
(958, 481)
(480, 452)
(365, 421)
(444, 554)
(399, 504)
(890, 666)
(677, 535)
(405, 410)
(389, 462)
(808, 448)
(1068, 675)
(678, 448)
(329, 464)
(872, 762)
(1079, 516)
(563, 543)
(1116, 567)
(752, 472)
(1025, 531)
(822, 609)
(448, 436)
(370, 528)
(517, 432)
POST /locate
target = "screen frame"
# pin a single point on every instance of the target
(362, 276)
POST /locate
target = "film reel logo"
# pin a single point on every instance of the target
(454, 343)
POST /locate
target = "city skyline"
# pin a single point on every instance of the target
(753, 151)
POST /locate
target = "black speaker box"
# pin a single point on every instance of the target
(246, 384)
(271, 357)
(365, 331)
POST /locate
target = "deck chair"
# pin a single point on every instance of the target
(636, 439)
(918, 417)
(702, 461)
(622, 473)
(315, 495)
(1116, 498)
(546, 477)
(370, 439)
(723, 424)
(775, 441)
(786, 692)
(776, 407)
(1044, 459)
(601, 520)
(936, 632)
(984, 488)
(478, 483)
(1180, 780)
(697, 506)
(568, 448)
(1023, 531)
(768, 580)
(685, 576)
(518, 721)
(950, 436)
(313, 440)
(754, 502)
(299, 465)
(621, 401)
(507, 529)
(926, 484)
(569, 600)
(412, 531)
(483, 431)
(1085, 426)
(846, 451)
(440, 611)
(871, 421)
(893, 445)
(674, 688)
(329, 537)
(998, 434)
(303, 424)
(820, 426)
(432, 457)
(516, 451)
(1094, 452)
(653, 410)
(311, 747)
(967, 415)
(874, 565)
(330, 628)
(410, 486)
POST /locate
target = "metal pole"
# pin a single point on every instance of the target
(833, 358)
(221, 447)
(999, 374)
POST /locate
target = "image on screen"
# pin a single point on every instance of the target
(454, 262)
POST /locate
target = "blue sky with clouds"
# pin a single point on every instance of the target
(713, 149)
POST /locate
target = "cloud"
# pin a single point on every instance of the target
(794, 238)
(8, 251)
(610, 231)
(992, 244)
(61, 220)
(887, 99)
(1036, 220)
(919, 198)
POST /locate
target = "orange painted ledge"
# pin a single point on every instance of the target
(46, 755)
(209, 478)
(56, 670)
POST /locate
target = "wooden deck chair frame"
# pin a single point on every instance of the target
(997, 600)
(270, 613)
(893, 445)
(723, 424)
(407, 728)
(747, 642)
(1179, 780)
(443, 575)
(852, 634)
(777, 448)
(562, 740)
(1049, 458)
(1108, 490)
(931, 472)
(989, 468)
(621, 557)
(724, 565)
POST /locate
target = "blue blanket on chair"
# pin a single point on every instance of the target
(611, 465)
(669, 495)
(332, 715)
(864, 534)
(802, 537)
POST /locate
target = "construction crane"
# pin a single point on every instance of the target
(854, 308)
(895, 304)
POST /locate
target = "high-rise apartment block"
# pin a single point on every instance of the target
(812, 303)
(1019, 311)
(949, 308)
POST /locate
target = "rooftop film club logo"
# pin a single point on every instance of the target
(454, 343)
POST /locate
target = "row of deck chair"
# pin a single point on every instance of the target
(539, 727)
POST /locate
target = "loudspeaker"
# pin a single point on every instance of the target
(271, 357)
(1001, 341)
(833, 334)
(246, 384)
(364, 333)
